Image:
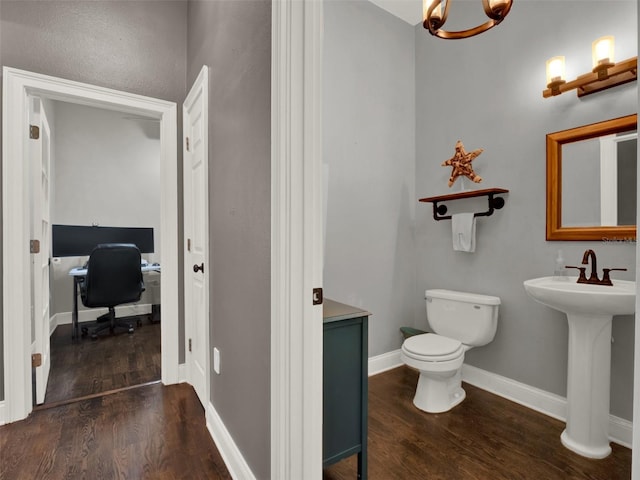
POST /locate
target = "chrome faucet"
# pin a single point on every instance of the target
(593, 278)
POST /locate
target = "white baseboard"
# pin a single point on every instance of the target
(620, 430)
(539, 400)
(64, 318)
(235, 462)
(2, 413)
(384, 362)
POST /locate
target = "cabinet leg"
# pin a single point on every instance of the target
(362, 466)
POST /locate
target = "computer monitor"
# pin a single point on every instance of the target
(79, 241)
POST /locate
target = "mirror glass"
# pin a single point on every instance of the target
(599, 181)
(591, 181)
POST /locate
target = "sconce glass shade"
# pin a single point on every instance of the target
(606, 72)
(602, 52)
(555, 71)
(435, 12)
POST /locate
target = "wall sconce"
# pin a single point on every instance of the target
(605, 73)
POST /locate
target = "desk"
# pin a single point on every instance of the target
(78, 274)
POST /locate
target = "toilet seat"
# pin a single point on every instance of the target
(430, 347)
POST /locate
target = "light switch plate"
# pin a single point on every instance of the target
(216, 360)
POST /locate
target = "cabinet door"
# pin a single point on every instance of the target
(344, 389)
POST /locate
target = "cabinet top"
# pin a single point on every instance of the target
(333, 311)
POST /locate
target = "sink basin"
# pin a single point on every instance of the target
(570, 297)
(589, 310)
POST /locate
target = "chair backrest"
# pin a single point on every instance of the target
(114, 276)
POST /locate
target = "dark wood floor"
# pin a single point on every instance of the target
(485, 438)
(149, 432)
(88, 367)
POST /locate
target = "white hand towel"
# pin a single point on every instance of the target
(463, 227)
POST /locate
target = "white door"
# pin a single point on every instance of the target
(196, 231)
(40, 154)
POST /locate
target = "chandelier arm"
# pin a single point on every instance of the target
(429, 23)
(498, 16)
(435, 26)
(465, 33)
(445, 13)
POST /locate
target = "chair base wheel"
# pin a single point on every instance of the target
(130, 329)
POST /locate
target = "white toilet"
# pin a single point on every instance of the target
(460, 321)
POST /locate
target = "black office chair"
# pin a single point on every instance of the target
(113, 277)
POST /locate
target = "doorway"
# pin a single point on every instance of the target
(19, 86)
(105, 172)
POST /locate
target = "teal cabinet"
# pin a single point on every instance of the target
(345, 384)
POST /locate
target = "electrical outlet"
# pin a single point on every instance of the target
(216, 360)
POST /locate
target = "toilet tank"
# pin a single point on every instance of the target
(468, 317)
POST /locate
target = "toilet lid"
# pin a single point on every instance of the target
(432, 345)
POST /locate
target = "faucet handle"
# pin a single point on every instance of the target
(582, 278)
(605, 278)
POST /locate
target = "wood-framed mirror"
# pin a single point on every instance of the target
(591, 181)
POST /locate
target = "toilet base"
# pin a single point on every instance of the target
(439, 392)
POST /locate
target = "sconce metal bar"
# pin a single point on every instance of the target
(622, 72)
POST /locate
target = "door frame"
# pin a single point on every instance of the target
(18, 85)
(296, 239)
(199, 90)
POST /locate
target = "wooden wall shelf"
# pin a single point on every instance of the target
(495, 203)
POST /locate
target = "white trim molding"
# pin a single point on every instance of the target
(2, 414)
(18, 87)
(54, 322)
(231, 454)
(620, 430)
(296, 239)
(64, 318)
(550, 404)
(384, 362)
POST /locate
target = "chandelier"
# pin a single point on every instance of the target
(434, 14)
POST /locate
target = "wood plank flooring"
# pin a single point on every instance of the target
(485, 438)
(149, 432)
(111, 362)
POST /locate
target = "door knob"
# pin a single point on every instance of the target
(199, 267)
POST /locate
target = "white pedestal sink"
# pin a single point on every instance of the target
(589, 310)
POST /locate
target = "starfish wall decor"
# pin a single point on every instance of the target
(461, 163)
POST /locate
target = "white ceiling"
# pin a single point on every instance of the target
(408, 10)
(411, 10)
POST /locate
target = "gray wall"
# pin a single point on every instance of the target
(234, 40)
(487, 91)
(369, 146)
(134, 46)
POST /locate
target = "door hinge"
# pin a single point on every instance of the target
(34, 132)
(188, 244)
(36, 360)
(34, 246)
(189, 344)
(187, 139)
(317, 296)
